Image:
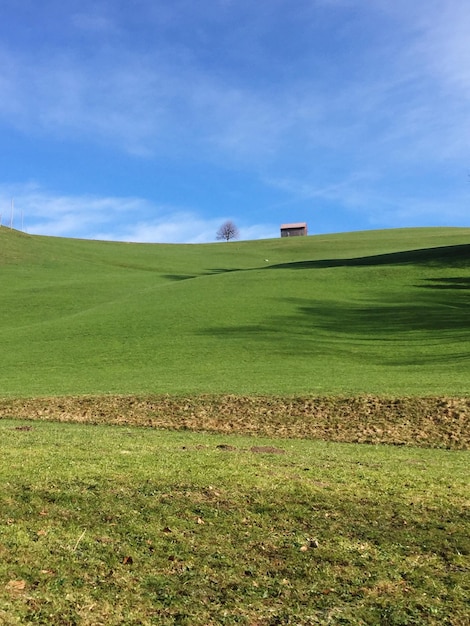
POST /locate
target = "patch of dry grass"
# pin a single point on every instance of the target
(439, 422)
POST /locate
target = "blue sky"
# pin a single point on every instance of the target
(155, 121)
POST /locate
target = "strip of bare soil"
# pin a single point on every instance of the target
(441, 422)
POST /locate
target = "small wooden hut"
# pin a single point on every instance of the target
(294, 230)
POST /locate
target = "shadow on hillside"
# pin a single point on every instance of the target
(225, 270)
(378, 319)
(369, 330)
(408, 330)
(447, 255)
(459, 282)
(211, 272)
(177, 277)
(450, 256)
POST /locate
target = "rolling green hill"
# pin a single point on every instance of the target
(383, 312)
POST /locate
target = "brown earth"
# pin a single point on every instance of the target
(439, 422)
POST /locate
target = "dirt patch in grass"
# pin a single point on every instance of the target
(441, 422)
(266, 450)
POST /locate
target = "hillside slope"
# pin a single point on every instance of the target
(384, 312)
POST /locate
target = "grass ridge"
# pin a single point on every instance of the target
(435, 422)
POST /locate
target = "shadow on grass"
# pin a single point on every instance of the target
(449, 256)
(459, 282)
(421, 327)
(177, 277)
(444, 255)
(211, 272)
(378, 319)
(422, 322)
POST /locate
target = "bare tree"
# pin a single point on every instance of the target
(228, 231)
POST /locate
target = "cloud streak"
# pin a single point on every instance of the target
(143, 102)
(41, 212)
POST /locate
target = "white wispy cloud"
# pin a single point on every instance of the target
(442, 45)
(183, 227)
(143, 102)
(170, 226)
(364, 195)
(99, 21)
(414, 210)
(122, 104)
(437, 60)
(41, 212)
(137, 104)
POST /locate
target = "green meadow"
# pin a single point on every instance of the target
(108, 525)
(237, 405)
(382, 312)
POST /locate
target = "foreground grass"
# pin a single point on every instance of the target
(117, 525)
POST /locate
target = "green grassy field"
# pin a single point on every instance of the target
(360, 337)
(106, 525)
(384, 312)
